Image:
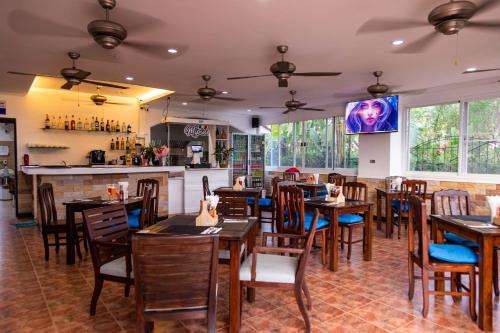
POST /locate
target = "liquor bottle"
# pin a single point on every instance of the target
(117, 126)
(86, 125)
(102, 124)
(112, 128)
(122, 144)
(129, 129)
(73, 124)
(124, 127)
(96, 124)
(79, 125)
(112, 144)
(47, 121)
(60, 123)
(127, 144)
(107, 126)
(66, 123)
(53, 124)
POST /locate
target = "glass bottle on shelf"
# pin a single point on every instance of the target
(96, 124)
(129, 129)
(60, 123)
(122, 144)
(112, 144)
(127, 144)
(117, 144)
(124, 127)
(66, 123)
(112, 127)
(117, 126)
(79, 125)
(47, 121)
(107, 126)
(102, 124)
(73, 123)
(53, 124)
(86, 125)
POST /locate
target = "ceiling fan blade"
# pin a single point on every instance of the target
(285, 112)
(310, 109)
(389, 24)
(271, 107)
(31, 74)
(158, 50)
(82, 75)
(229, 99)
(420, 44)
(481, 70)
(247, 77)
(408, 92)
(27, 23)
(117, 103)
(317, 74)
(184, 95)
(486, 5)
(104, 84)
(67, 86)
(484, 24)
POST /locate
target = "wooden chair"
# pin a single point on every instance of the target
(457, 202)
(146, 212)
(352, 191)
(232, 205)
(268, 204)
(294, 220)
(400, 206)
(175, 278)
(336, 178)
(51, 225)
(107, 231)
(439, 258)
(206, 188)
(290, 176)
(153, 184)
(267, 267)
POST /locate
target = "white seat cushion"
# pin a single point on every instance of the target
(225, 254)
(270, 268)
(116, 267)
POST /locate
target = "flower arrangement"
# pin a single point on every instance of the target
(161, 151)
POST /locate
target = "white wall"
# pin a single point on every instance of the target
(30, 111)
(6, 132)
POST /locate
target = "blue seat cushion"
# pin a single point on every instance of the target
(308, 216)
(453, 253)
(322, 193)
(452, 238)
(250, 201)
(135, 212)
(133, 221)
(307, 194)
(395, 205)
(350, 218)
(263, 202)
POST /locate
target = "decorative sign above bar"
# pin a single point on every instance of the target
(195, 130)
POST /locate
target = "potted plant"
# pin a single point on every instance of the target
(222, 155)
(148, 154)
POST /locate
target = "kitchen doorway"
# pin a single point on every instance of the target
(8, 169)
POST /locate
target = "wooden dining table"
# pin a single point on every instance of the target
(334, 210)
(312, 188)
(475, 229)
(246, 192)
(78, 206)
(235, 234)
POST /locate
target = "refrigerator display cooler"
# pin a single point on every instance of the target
(248, 158)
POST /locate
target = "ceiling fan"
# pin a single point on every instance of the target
(105, 32)
(73, 76)
(292, 105)
(378, 89)
(99, 99)
(283, 70)
(448, 19)
(206, 93)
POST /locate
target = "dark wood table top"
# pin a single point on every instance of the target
(392, 191)
(478, 224)
(248, 190)
(97, 201)
(231, 230)
(311, 185)
(321, 202)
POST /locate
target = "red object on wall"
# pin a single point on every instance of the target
(292, 170)
(26, 159)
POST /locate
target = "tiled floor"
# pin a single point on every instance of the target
(39, 296)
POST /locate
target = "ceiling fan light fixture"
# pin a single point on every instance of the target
(107, 33)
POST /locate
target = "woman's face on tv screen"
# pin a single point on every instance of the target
(369, 112)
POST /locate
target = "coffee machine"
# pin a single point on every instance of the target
(97, 157)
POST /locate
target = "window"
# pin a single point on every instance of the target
(286, 144)
(299, 151)
(433, 138)
(271, 146)
(346, 147)
(483, 136)
(315, 143)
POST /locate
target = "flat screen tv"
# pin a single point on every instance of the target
(376, 115)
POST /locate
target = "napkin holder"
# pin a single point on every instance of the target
(494, 204)
(338, 197)
(205, 219)
(310, 179)
(239, 184)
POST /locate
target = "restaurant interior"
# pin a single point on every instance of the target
(249, 166)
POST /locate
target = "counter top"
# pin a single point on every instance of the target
(40, 170)
(206, 169)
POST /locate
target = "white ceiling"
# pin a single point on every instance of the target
(238, 37)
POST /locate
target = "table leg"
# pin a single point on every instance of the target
(334, 252)
(234, 286)
(250, 244)
(379, 211)
(485, 319)
(438, 239)
(314, 192)
(367, 240)
(256, 212)
(388, 217)
(35, 199)
(70, 229)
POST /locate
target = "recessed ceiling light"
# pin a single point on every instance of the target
(471, 69)
(225, 92)
(397, 42)
(249, 110)
(172, 51)
(129, 78)
(184, 103)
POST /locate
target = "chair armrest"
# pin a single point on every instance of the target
(280, 235)
(273, 250)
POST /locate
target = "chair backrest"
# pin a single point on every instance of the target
(232, 204)
(355, 191)
(105, 224)
(450, 202)
(206, 188)
(175, 273)
(292, 202)
(336, 178)
(274, 190)
(48, 212)
(154, 184)
(290, 176)
(417, 223)
(299, 277)
(147, 211)
(412, 187)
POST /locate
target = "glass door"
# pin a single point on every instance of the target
(240, 155)
(256, 164)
